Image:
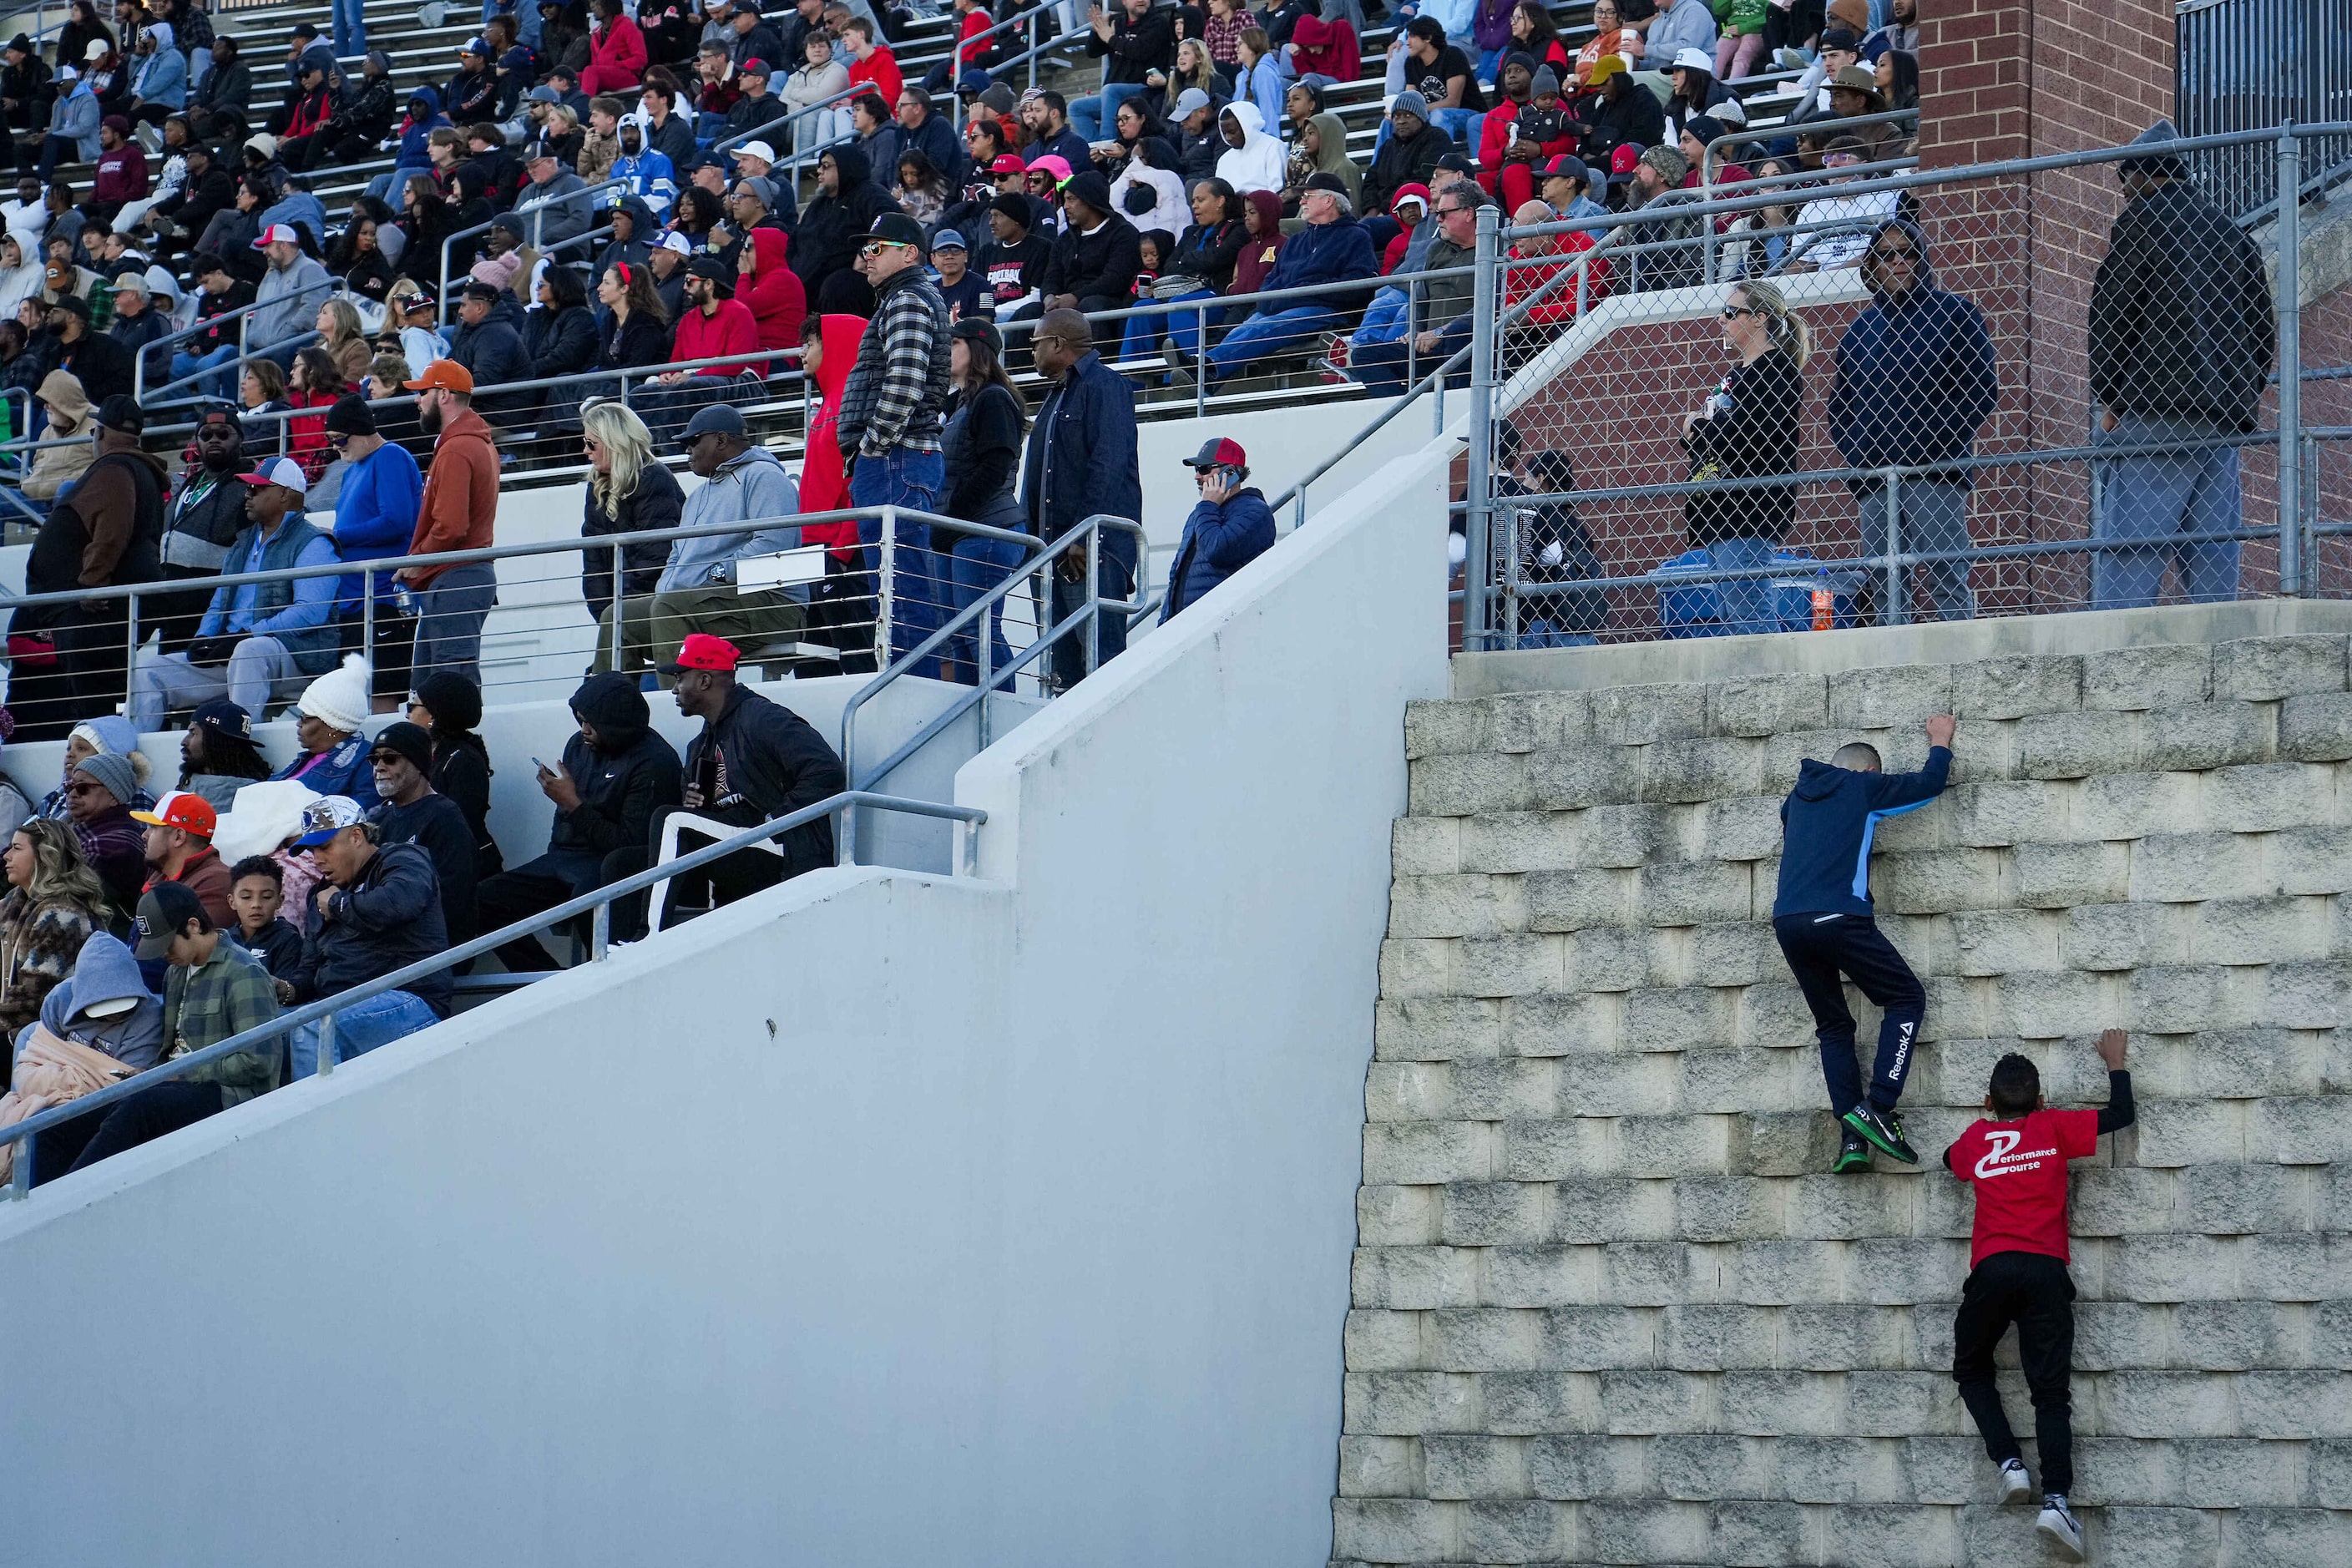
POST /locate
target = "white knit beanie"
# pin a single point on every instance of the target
(340, 697)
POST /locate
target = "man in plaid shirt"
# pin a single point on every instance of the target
(892, 411)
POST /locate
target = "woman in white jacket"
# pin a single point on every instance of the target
(1169, 209)
(1252, 160)
(818, 78)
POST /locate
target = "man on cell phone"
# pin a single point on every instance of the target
(1229, 528)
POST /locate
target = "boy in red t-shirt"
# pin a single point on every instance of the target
(2017, 1271)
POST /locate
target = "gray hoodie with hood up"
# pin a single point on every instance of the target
(105, 972)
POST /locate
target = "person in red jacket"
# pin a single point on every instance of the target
(714, 324)
(870, 62)
(2016, 1159)
(841, 611)
(616, 53)
(1535, 132)
(121, 171)
(771, 291)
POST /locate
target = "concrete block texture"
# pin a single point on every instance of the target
(1610, 1305)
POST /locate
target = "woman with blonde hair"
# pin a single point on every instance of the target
(1748, 430)
(345, 343)
(54, 900)
(629, 491)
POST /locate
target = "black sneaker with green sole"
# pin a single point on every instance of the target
(1854, 1153)
(1885, 1130)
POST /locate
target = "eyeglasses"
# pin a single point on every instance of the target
(1900, 253)
(1733, 312)
(80, 787)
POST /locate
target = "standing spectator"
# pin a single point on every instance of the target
(1139, 40)
(628, 492)
(981, 452)
(330, 715)
(106, 534)
(616, 775)
(411, 812)
(375, 513)
(54, 900)
(1915, 383)
(892, 412)
(1748, 430)
(1229, 527)
(98, 792)
(1081, 462)
(1826, 925)
(2181, 338)
(258, 641)
(1333, 248)
(2015, 1159)
(753, 761)
(460, 511)
(448, 708)
(825, 247)
(697, 591)
(179, 848)
(217, 756)
(842, 607)
(380, 912)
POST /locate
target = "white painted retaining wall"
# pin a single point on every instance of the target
(878, 1220)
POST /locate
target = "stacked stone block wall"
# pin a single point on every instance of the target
(1610, 1307)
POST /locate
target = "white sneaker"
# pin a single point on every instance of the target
(2059, 1527)
(2016, 1486)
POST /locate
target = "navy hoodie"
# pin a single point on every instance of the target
(1827, 823)
(1916, 375)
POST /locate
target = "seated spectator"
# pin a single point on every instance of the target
(1673, 258)
(615, 777)
(105, 1006)
(489, 344)
(1835, 229)
(771, 291)
(1539, 133)
(1095, 258)
(833, 227)
(1326, 45)
(1439, 323)
(1443, 76)
(697, 591)
(332, 710)
(449, 707)
(315, 383)
(1333, 247)
(137, 328)
(379, 914)
(54, 900)
(628, 492)
(1321, 149)
(637, 330)
(70, 415)
(97, 797)
(1617, 112)
(179, 848)
(560, 339)
(1384, 319)
(715, 325)
(963, 289)
(1407, 154)
(106, 736)
(774, 764)
(1013, 264)
(1229, 527)
(413, 812)
(258, 892)
(217, 756)
(258, 641)
(1252, 160)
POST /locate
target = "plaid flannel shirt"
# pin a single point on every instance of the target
(898, 393)
(224, 997)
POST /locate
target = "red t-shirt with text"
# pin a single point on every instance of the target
(2018, 1170)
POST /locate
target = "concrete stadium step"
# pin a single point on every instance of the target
(1609, 1307)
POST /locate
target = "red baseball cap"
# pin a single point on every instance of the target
(702, 651)
(189, 813)
(1218, 452)
(1008, 163)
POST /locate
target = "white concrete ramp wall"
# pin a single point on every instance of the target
(880, 1219)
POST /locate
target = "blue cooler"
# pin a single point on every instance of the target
(1688, 608)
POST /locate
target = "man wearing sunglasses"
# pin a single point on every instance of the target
(1915, 383)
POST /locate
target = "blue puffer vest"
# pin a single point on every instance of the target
(315, 649)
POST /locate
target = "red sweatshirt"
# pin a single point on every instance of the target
(728, 329)
(121, 174)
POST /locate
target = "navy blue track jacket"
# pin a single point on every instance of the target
(1827, 823)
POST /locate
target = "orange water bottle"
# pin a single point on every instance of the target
(1824, 605)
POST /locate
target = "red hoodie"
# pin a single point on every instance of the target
(773, 291)
(822, 488)
(879, 69)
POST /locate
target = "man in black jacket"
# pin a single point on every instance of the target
(1096, 257)
(487, 342)
(831, 230)
(379, 912)
(207, 513)
(1618, 112)
(412, 812)
(752, 762)
(2181, 337)
(104, 535)
(97, 360)
(616, 775)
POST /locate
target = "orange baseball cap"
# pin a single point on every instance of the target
(447, 374)
(189, 813)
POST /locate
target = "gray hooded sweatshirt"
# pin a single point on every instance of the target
(105, 972)
(751, 486)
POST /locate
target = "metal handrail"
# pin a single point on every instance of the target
(1803, 128)
(758, 132)
(207, 324)
(597, 904)
(441, 301)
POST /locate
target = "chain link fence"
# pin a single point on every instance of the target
(1849, 395)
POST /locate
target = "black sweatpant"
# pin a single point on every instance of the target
(1818, 947)
(126, 1124)
(2033, 1291)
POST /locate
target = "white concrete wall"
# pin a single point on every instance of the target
(878, 1220)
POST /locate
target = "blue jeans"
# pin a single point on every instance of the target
(978, 566)
(351, 27)
(900, 477)
(1744, 605)
(1262, 336)
(1186, 328)
(1089, 115)
(2194, 490)
(185, 366)
(1384, 319)
(360, 1028)
(1381, 366)
(1141, 338)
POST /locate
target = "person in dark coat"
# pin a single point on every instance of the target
(107, 534)
(919, 128)
(412, 812)
(753, 761)
(628, 492)
(2182, 333)
(1410, 154)
(615, 776)
(1748, 430)
(1230, 526)
(1095, 259)
(1081, 461)
(833, 227)
(1618, 112)
(379, 912)
(447, 706)
(1915, 380)
(488, 342)
(559, 339)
